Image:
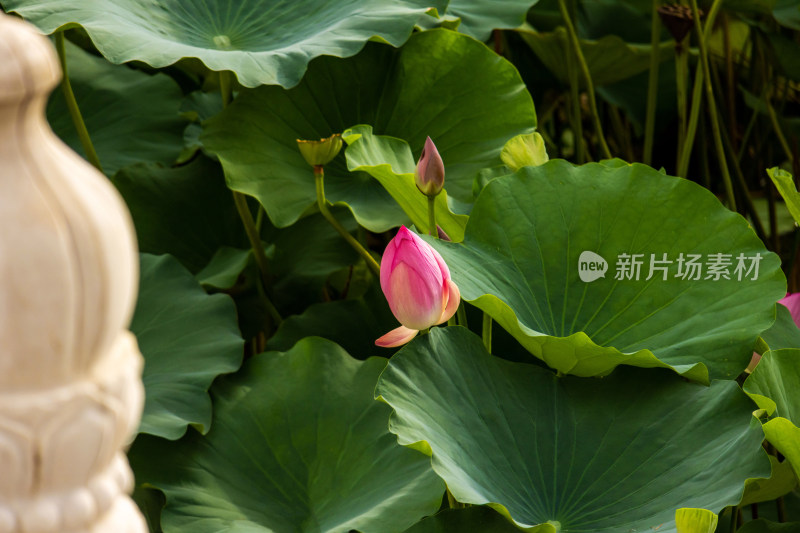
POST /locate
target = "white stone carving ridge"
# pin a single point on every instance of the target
(71, 394)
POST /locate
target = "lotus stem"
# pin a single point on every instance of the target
(652, 84)
(258, 252)
(250, 227)
(711, 107)
(461, 313)
(587, 77)
(487, 332)
(432, 217)
(681, 80)
(322, 203)
(72, 106)
(575, 115)
(777, 127)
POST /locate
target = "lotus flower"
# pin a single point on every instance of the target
(429, 174)
(417, 285)
(792, 302)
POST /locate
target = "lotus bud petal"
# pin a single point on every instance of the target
(320, 152)
(429, 174)
(416, 282)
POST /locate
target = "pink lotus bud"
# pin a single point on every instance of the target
(417, 285)
(429, 174)
(792, 302)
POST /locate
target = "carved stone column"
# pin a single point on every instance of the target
(70, 389)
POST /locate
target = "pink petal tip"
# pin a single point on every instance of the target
(396, 337)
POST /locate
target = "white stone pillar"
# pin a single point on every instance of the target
(70, 372)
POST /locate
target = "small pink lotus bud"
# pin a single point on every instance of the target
(429, 174)
(417, 285)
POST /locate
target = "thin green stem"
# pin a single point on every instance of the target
(697, 91)
(652, 84)
(258, 251)
(780, 503)
(322, 203)
(72, 106)
(587, 77)
(250, 227)
(461, 314)
(746, 137)
(691, 128)
(681, 82)
(225, 87)
(574, 112)
(734, 519)
(730, 82)
(711, 107)
(777, 127)
(260, 218)
(432, 217)
(486, 332)
(740, 180)
(623, 140)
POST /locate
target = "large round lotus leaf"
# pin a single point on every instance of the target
(441, 84)
(621, 453)
(609, 59)
(131, 116)
(523, 262)
(480, 17)
(262, 41)
(188, 338)
(298, 445)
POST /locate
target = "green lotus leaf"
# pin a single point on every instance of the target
(777, 378)
(440, 84)
(185, 211)
(131, 116)
(188, 338)
(569, 454)
(785, 184)
(787, 13)
(695, 521)
(306, 254)
(225, 269)
(785, 436)
(262, 41)
(474, 518)
(773, 385)
(353, 324)
(782, 481)
(784, 333)
(535, 235)
(610, 59)
(389, 161)
(479, 18)
(298, 444)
